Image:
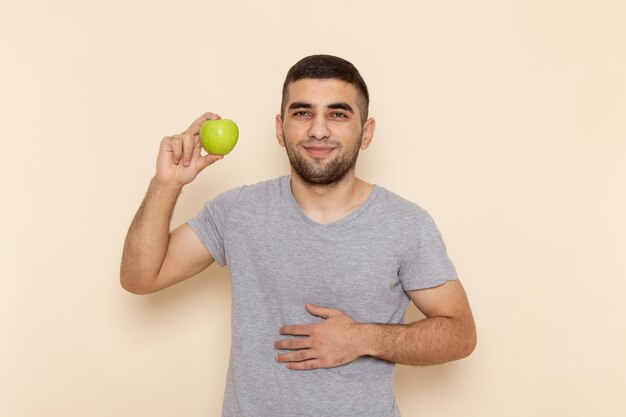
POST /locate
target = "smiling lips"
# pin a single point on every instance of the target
(319, 151)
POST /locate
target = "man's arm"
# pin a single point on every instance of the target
(447, 333)
(154, 258)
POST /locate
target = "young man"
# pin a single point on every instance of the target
(323, 264)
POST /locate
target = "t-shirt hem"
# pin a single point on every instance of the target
(211, 247)
(430, 284)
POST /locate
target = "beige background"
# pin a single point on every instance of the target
(504, 119)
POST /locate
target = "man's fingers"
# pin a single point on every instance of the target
(206, 160)
(322, 312)
(293, 344)
(175, 145)
(182, 147)
(297, 330)
(298, 356)
(194, 128)
(188, 146)
(305, 365)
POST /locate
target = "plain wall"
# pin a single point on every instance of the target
(504, 119)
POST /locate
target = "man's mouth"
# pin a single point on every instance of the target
(318, 151)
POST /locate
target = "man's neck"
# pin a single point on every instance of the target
(329, 203)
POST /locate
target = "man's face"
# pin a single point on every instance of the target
(322, 130)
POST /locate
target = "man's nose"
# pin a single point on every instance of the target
(319, 128)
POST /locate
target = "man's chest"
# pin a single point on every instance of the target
(355, 270)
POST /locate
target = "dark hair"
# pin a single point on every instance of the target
(328, 67)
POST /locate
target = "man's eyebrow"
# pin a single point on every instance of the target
(333, 106)
(341, 106)
(300, 105)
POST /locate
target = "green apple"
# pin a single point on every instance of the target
(219, 137)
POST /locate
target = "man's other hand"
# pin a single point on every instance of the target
(327, 344)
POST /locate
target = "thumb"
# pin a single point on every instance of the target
(206, 160)
(322, 312)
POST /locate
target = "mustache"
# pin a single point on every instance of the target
(316, 142)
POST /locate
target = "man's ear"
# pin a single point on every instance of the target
(279, 130)
(368, 133)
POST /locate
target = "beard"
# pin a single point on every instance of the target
(321, 172)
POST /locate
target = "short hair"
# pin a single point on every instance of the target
(328, 67)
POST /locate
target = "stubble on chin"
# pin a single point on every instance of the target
(318, 172)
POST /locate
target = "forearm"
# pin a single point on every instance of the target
(148, 236)
(430, 341)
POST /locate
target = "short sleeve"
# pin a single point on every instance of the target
(210, 226)
(426, 263)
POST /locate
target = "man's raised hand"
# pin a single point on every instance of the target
(179, 160)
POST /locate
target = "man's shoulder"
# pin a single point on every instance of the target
(400, 206)
(404, 217)
(263, 190)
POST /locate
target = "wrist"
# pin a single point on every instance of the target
(364, 338)
(165, 186)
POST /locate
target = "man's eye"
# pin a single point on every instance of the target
(338, 115)
(300, 113)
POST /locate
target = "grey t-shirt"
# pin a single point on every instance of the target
(280, 259)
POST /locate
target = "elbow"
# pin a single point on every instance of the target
(131, 287)
(471, 346)
(134, 289)
(135, 285)
(470, 342)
